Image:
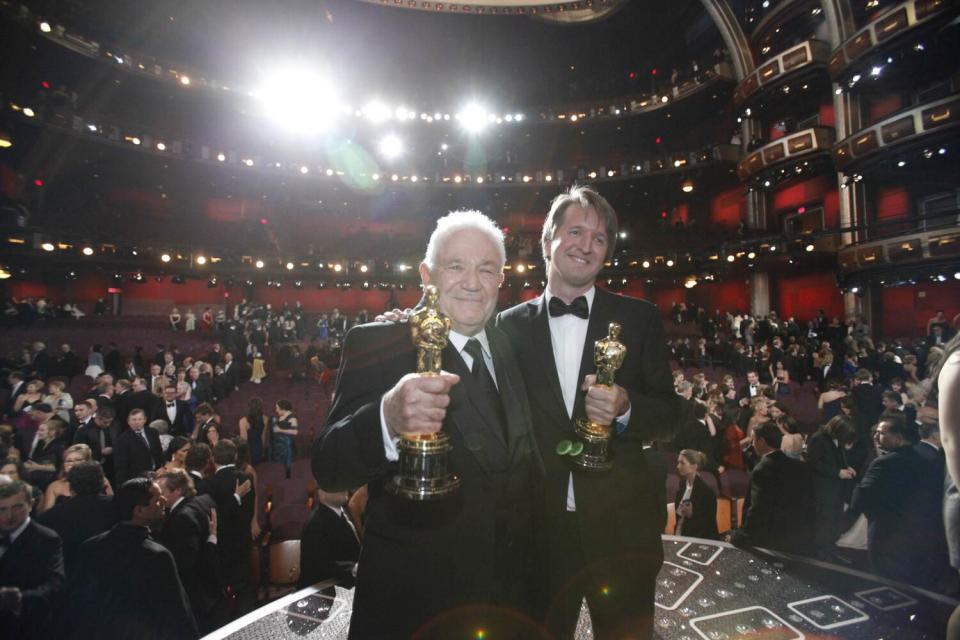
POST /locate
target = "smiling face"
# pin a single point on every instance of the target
(576, 252)
(467, 274)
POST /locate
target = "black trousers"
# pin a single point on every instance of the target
(619, 588)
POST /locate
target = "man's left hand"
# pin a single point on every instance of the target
(603, 404)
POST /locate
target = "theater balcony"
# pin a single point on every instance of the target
(921, 125)
(904, 25)
(796, 65)
(787, 153)
(786, 15)
(927, 240)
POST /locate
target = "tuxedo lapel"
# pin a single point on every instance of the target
(543, 348)
(516, 409)
(597, 328)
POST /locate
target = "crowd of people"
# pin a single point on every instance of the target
(85, 477)
(141, 445)
(868, 474)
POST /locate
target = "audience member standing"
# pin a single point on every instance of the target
(190, 534)
(833, 480)
(31, 566)
(778, 511)
(234, 494)
(126, 584)
(88, 513)
(138, 449)
(329, 545)
(895, 497)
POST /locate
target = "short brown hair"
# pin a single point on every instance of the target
(586, 197)
(178, 479)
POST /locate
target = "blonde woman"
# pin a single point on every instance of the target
(59, 400)
(59, 489)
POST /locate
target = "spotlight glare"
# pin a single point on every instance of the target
(391, 147)
(201, 259)
(809, 248)
(165, 257)
(669, 262)
(376, 112)
(87, 251)
(473, 118)
(646, 264)
(298, 101)
(45, 27)
(258, 264)
(289, 266)
(185, 80)
(47, 246)
(221, 157)
(161, 146)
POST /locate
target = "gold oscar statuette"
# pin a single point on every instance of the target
(424, 473)
(593, 437)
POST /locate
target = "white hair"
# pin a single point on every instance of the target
(461, 221)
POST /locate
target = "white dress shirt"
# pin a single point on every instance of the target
(567, 335)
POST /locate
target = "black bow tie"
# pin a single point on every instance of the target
(578, 307)
(171, 404)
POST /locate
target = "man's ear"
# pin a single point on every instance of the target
(424, 273)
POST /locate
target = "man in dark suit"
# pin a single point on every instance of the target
(199, 464)
(901, 503)
(82, 418)
(602, 528)
(190, 534)
(779, 508)
(471, 552)
(126, 584)
(86, 514)
(17, 388)
(101, 435)
(329, 546)
(130, 371)
(176, 413)
(31, 566)
(200, 385)
(137, 449)
(235, 498)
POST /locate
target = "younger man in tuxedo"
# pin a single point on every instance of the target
(602, 529)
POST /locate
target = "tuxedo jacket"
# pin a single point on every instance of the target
(34, 563)
(126, 586)
(77, 519)
(329, 547)
(826, 459)
(618, 510)
(902, 501)
(202, 390)
(132, 456)
(471, 548)
(779, 507)
(182, 423)
(185, 534)
(703, 523)
(89, 435)
(233, 522)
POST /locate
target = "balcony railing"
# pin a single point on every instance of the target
(896, 22)
(904, 241)
(910, 124)
(794, 146)
(805, 55)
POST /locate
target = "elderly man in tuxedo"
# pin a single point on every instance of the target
(447, 567)
(602, 529)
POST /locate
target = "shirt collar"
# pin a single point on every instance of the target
(589, 295)
(459, 341)
(16, 532)
(174, 506)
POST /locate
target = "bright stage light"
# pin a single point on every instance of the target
(391, 147)
(87, 251)
(298, 100)
(473, 118)
(376, 112)
(258, 264)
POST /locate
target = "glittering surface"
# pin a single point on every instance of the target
(705, 591)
